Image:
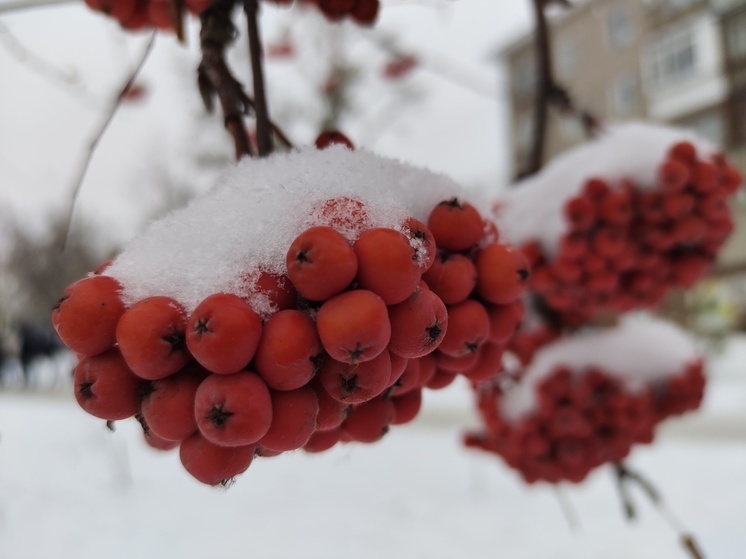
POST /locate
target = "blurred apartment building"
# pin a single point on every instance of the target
(681, 62)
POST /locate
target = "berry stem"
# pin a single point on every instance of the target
(91, 150)
(263, 125)
(214, 77)
(625, 476)
(549, 92)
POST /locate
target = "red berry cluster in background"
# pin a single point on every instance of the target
(141, 14)
(626, 247)
(582, 419)
(363, 12)
(358, 329)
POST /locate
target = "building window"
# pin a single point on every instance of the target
(524, 76)
(735, 35)
(567, 57)
(624, 95)
(672, 59)
(619, 28)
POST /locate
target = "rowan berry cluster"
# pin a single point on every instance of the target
(582, 419)
(140, 14)
(627, 246)
(363, 12)
(357, 329)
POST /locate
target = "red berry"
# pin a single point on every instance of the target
(168, 408)
(505, 320)
(332, 412)
(468, 329)
(223, 333)
(406, 407)
(353, 383)
(422, 241)
(213, 464)
(233, 410)
(452, 277)
(321, 263)
(294, 414)
(502, 273)
(278, 290)
(87, 315)
(290, 350)
(369, 422)
(354, 327)
(151, 337)
(673, 175)
(456, 226)
(323, 440)
(387, 265)
(418, 324)
(106, 388)
(333, 137)
(581, 213)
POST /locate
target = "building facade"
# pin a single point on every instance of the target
(681, 62)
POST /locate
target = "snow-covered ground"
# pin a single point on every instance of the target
(70, 488)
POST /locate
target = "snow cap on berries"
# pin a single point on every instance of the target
(223, 239)
(533, 210)
(640, 350)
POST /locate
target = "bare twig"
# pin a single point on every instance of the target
(545, 79)
(177, 14)
(549, 92)
(567, 509)
(214, 78)
(68, 80)
(439, 66)
(263, 127)
(88, 155)
(625, 475)
(18, 5)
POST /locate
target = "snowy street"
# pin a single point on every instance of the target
(70, 488)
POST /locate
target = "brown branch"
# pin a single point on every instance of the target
(88, 155)
(549, 93)
(625, 476)
(65, 79)
(177, 15)
(263, 125)
(214, 78)
(728, 271)
(544, 81)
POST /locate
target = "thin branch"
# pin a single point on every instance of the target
(67, 80)
(545, 79)
(568, 510)
(625, 476)
(263, 127)
(18, 5)
(550, 93)
(88, 155)
(214, 77)
(445, 69)
(177, 14)
(728, 271)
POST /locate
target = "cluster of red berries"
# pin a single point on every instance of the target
(581, 421)
(363, 12)
(140, 14)
(345, 354)
(626, 247)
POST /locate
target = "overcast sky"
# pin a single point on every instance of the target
(45, 126)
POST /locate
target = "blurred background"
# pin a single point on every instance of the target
(443, 84)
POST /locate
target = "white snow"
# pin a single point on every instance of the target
(249, 220)
(640, 349)
(533, 210)
(70, 488)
